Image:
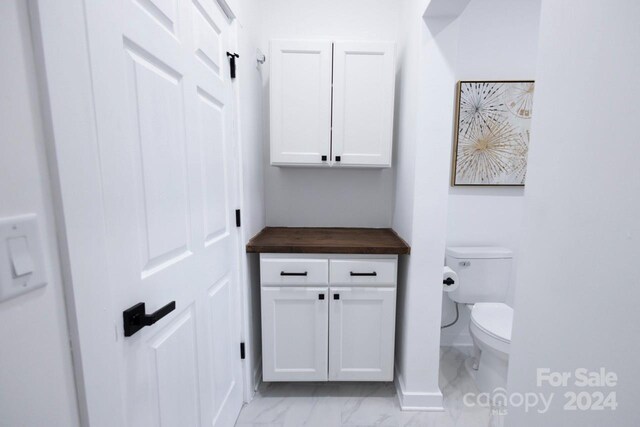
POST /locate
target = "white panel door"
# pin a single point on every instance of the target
(363, 99)
(294, 333)
(300, 98)
(362, 334)
(165, 128)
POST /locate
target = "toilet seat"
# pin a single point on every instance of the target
(493, 319)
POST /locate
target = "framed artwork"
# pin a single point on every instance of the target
(493, 121)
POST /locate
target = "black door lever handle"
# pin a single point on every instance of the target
(135, 317)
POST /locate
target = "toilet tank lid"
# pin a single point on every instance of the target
(476, 252)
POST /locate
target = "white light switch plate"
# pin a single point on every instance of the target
(21, 259)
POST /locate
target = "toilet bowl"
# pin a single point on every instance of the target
(490, 329)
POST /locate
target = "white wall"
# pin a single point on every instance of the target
(327, 197)
(424, 141)
(497, 40)
(576, 303)
(405, 135)
(36, 375)
(250, 83)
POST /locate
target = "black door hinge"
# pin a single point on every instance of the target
(232, 63)
(242, 350)
(237, 217)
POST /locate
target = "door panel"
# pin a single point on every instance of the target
(209, 38)
(294, 334)
(176, 388)
(300, 96)
(160, 165)
(223, 356)
(363, 92)
(212, 136)
(361, 334)
(164, 12)
(166, 135)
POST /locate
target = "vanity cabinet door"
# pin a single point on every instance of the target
(295, 333)
(300, 98)
(362, 333)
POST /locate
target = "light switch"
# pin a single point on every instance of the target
(22, 267)
(21, 259)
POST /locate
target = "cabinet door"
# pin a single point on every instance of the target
(300, 97)
(362, 333)
(295, 333)
(363, 92)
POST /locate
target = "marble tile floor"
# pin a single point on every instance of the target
(365, 404)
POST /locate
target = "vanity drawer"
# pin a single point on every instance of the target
(294, 271)
(369, 272)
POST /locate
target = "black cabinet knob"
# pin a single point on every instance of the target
(324, 158)
(336, 296)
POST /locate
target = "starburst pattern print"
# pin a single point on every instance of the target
(481, 106)
(519, 160)
(484, 154)
(519, 99)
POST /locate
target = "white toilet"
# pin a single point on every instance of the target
(483, 279)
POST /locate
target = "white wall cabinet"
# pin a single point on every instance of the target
(331, 103)
(343, 330)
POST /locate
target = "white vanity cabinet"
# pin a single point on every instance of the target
(331, 103)
(328, 317)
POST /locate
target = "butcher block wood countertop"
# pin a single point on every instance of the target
(309, 240)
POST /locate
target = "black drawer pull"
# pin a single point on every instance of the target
(320, 296)
(284, 273)
(336, 296)
(364, 274)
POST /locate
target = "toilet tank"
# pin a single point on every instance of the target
(483, 273)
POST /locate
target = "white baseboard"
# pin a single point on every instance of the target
(417, 401)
